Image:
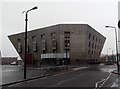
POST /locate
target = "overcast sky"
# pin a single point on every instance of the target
(96, 13)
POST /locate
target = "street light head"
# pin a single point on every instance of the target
(106, 26)
(110, 27)
(34, 8)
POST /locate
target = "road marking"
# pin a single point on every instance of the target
(66, 80)
(11, 70)
(62, 82)
(80, 68)
(62, 73)
(96, 85)
(114, 84)
(71, 71)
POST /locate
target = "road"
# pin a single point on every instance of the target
(94, 76)
(11, 73)
(16, 73)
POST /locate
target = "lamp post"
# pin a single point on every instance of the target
(25, 55)
(116, 46)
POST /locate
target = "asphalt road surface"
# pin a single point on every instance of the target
(16, 73)
(96, 76)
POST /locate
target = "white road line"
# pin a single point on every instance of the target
(103, 82)
(114, 84)
(106, 80)
(96, 85)
(11, 70)
(71, 71)
(80, 68)
(66, 80)
(62, 73)
(62, 82)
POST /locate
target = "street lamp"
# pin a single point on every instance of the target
(25, 57)
(116, 45)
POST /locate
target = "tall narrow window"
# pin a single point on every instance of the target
(92, 45)
(93, 37)
(89, 35)
(67, 40)
(88, 51)
(99, 40)
(43, 43)
(34, 43)
(19, 46)
(89, 44)
(95, 46)
(96, 39)
(54, 42)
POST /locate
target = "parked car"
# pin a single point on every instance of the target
(14, 63)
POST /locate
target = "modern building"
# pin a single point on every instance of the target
(60, 44)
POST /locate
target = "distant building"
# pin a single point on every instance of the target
(60, 44)
(8, 60)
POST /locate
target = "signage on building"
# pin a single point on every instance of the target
(55, 55)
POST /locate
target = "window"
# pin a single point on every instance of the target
(19, 46)
(89, 44)
(92, 51)
(93, 37)
(53, 35)
(54, 42)
(67, 34)
(88, 51)
(96, 39)
(67, 40)
(95, 46)
(99, 40)
(89, 35)
(54, 50)
(92, 45)
(67, 45)
(43, 43)
(98, 46)
(34, 44)
(44, 51)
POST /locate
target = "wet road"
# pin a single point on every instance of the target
(94, 76)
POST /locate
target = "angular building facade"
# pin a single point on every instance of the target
(60, 44)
